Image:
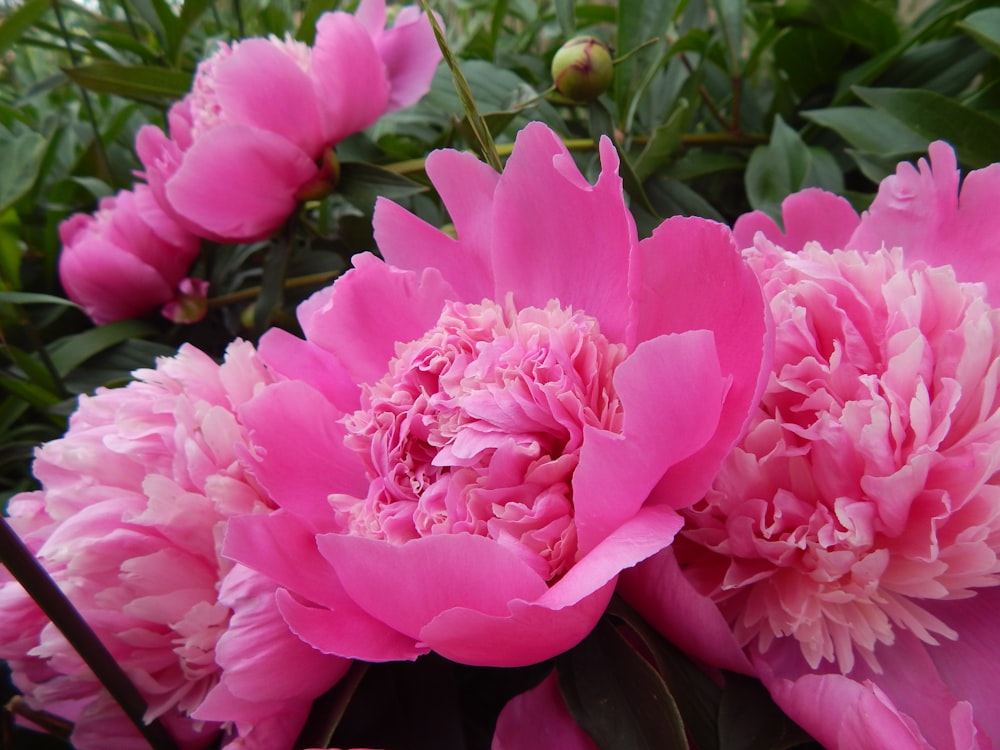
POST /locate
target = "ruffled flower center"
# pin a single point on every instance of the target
(477, 428)
(866, 486)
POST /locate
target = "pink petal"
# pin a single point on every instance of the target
(296, 359)
(576, 239)
(671, 391)
(411, 55)
(539, 718)
(347, 630)
(371, 308)
(692, 278)
(295, 429)
(261, 86)
(810, 215)
(665, 598)
(407, 585)
(467, 187)
(920, 210)
(351, 80)
(238, 183)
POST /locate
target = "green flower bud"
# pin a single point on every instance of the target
(582, 69)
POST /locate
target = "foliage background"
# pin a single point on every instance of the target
(717, 107)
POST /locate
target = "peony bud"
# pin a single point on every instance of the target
(582, 69)
(190, 303)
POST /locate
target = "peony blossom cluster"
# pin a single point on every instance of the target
(478, 434)
(847, 552)
(252, 139)
(129, 523)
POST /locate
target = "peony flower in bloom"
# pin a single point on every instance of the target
(129, 523)
(128, 238)
(539, 718)
(847, 553)
(478, 434)
(247, 142)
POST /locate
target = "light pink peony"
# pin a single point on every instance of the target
(539, 718)
(247, 143)
(126, 259)
(129, 523)
(847, 551)
(478, 434)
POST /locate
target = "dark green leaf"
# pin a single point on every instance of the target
(363, 183)
(749, 719)
(868, 24)
(974, 135)
(70, 352)
(314, 9)
(664, 142)
(638, 22)
(30, 298)
(496, 22)
(141, 82)
(777, 169)
(21, 155)
(34, 370)
(869, 129)
(616, 696)
(10, 250)
(33, 394)
(984, 27)
(730, 14)
(566, 13)
(15, 23)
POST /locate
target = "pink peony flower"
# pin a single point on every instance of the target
(245, 142)
(128, 238)
(478, 434)
(847, 553)
(129, 523)
(539, 718)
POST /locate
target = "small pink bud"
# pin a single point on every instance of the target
(190, 303)
(582, 69)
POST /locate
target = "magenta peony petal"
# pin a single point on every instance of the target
(370, 308)
(657, 589)
(411, 55)
(296, 359)
(347, 629)
(672, 392)
(810, 215)
(294, 428)
(350, 77)
(691, 278)
(577, 239)
(921, 210)
(239, 183)
(262, 86)
(539, 718)
(407, 585)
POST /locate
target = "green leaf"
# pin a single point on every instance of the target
(566, 14)
(142, 82)
(984, 27)
(21, 154)
(730, 14)
(868, 24)
(665, 141)
(749, 719)
(638, 22)
(973, 134)
(11, 251)
(30, 298)
(616, 696)
(777, 169)
(363, 183)
(313, 10)
(70, 352)
(12, 25)
(35, 395)
(869, 129)
(34, 370)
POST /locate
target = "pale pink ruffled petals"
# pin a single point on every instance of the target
(539, 718)
(921, 210)
(810, 215)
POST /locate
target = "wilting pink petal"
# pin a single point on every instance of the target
(485, 483)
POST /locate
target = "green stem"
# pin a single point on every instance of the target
(636, 50)
(25, 567)
(251, 292)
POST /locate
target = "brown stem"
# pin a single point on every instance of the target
(54, 725)
(57, 607)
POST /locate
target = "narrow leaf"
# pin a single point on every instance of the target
(30, 298)
(363, 183)
(70, 352)
(566, 14)
(141, 82)
(984, 27)
(12, 25)
(869, 129)
(22, 158)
